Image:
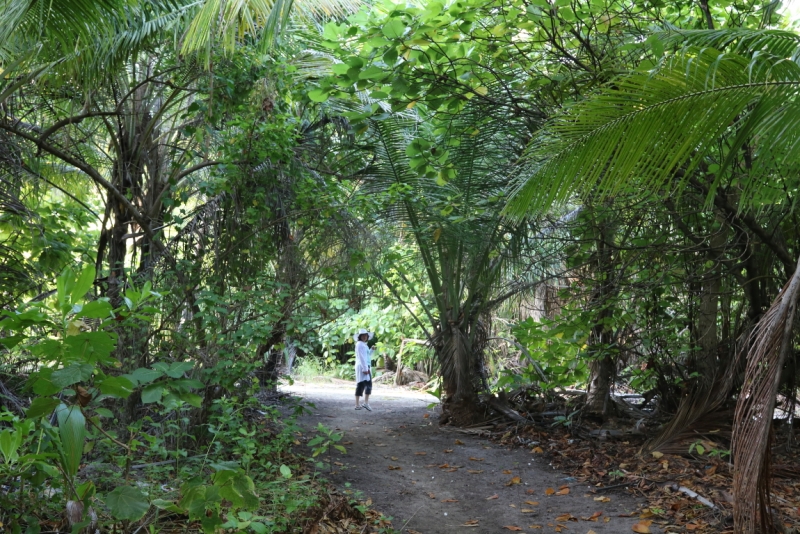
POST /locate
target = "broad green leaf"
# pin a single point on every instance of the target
(144, 376)
(177, 369)
(72, 374)
(191, 399)
(118, 386)
(394, 29)
(10, 441)
(152, 393)
(318, 95)
(42, 384)
(90, 347)
(373, 72)
(72, 430)
(83, 284)
(128, 503)
(286, 472)
(41, 406)
(97, 309)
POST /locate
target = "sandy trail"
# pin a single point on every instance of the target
(384, 461)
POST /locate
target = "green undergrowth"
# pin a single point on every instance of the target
(247, 477)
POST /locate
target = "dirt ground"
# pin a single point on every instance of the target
(434, 480)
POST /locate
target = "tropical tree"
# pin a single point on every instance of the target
(720, 116)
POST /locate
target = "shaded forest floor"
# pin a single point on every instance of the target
(433, 480)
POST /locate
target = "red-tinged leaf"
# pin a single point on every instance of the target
(444, 466)
(470, 523)
(475, 459)
(394, 468)
(512, 527)
(549, 491)
(513, 481)
(530, 491)
(506, 471)
(537, 450)
(642, 527)
(566, 517)
(495, 496)
(420, 453)
(426, 416)
(564, 491)
(449, 500)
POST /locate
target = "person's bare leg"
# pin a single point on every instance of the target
(357, 401)
(366, 398)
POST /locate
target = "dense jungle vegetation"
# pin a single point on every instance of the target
(590, 198)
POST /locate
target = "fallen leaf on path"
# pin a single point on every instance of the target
(537, 450)
(453, 470)
(444, 466)
(412, 531)
(566, 517)
(528, 511)
(642, 527)
(530, 491)
(459, 442)
(448, 451)
(420, 453)
(506, 471)
(394, 458)
(563, 491)
(426, 416)
(475, 459)
(692, 526)
(603, 499)
(380, 444)
(495, 496)
(474, 471)
(606, 519)
(515, 480)
(549, 491)
(512, 505)
(470, 523)
(594, 517)
(347, 443)
(591, 532)
(532, 503)
(657, 454)
(338, 463)
(394, 468)
(431, 495)
(534, 526)
(449, 500)
(646, 513)
(512, 527)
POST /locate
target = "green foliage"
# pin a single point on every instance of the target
(558, 349)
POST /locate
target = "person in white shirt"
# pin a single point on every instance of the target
(363, 372)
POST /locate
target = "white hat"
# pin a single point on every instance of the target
(362, 331)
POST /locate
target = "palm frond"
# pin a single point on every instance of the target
(771, 341)
(741, 41)
(646, 128)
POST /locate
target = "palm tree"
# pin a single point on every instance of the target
(445, 192)
(722, 115)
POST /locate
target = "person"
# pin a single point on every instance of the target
(363, 372)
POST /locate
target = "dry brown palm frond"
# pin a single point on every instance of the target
(772, 338)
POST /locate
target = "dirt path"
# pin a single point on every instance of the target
(384, 461)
